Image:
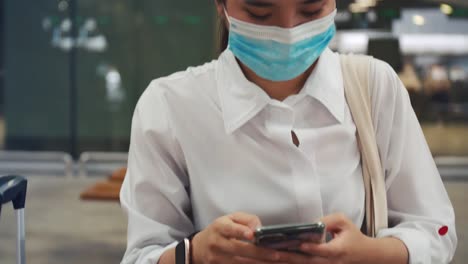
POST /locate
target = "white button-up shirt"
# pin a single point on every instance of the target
(206, 142)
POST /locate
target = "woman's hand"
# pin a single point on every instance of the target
(349, 245)
(226, 240)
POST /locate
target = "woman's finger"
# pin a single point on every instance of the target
(335, 222)
(249, 250)
(249, 220)
(229, 229)
(243, 260)
(322, 250)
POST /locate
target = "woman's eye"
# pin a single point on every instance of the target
(311, 13)
(258, 16)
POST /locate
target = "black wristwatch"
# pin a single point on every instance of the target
(183, 254)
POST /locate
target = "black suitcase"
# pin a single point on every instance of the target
(13, 189)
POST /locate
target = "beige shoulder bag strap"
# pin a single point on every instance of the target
(356, 82)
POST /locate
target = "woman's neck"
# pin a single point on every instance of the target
(278, 90)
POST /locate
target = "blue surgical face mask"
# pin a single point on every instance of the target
(280, 54)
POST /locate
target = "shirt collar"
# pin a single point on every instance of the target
(326, 84)
(241, 99)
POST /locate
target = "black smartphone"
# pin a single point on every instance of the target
(290, 237)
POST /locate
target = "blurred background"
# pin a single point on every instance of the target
(71, 72)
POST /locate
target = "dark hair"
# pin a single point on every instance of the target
(223, 32)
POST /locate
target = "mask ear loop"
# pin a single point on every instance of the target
(226, 15)
(228, 21)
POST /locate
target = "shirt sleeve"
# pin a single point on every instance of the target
(418, 204)
(154, 193)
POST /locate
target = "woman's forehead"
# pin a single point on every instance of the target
(266, 3)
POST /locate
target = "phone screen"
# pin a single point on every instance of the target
(289, 237)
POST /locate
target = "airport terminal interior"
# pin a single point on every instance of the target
(71, 73)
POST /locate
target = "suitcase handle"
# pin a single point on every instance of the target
(13, 189)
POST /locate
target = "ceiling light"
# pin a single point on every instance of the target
(446, 9)
(419, 20)
(358, 8)
(368, 3)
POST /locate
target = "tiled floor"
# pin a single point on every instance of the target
(63, 229)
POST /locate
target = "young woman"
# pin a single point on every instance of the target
(264, 135)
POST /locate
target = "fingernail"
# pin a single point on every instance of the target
(247, 234)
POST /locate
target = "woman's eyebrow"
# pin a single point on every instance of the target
(305, 2)
(259, 3)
